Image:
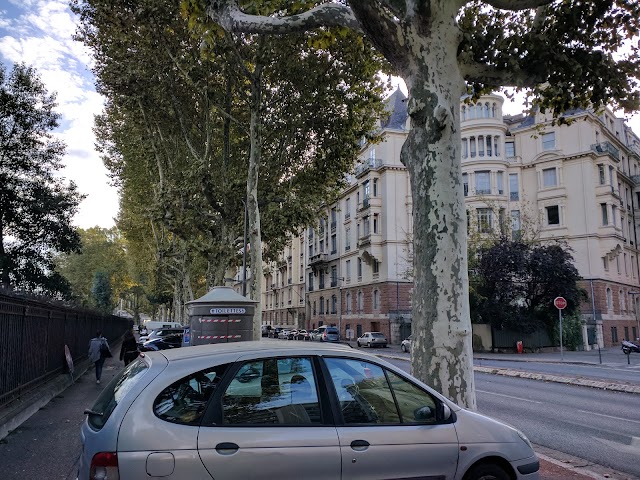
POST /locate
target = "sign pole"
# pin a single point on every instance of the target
(561, 351)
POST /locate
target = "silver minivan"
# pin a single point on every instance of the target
(315, 412)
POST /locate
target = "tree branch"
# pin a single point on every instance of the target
(476, 72)
(517, 4)
(227, 14)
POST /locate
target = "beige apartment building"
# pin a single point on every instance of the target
(579, 183)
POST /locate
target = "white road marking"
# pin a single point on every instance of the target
(610, 416)
(508, 396)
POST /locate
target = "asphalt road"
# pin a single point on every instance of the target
(607, 371)
(600, 426)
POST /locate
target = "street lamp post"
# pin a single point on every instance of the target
(635, 308)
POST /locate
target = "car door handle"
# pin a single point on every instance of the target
(226, 448)
(359, 445)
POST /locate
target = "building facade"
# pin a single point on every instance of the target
(579, 183)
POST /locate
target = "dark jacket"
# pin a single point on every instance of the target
(129, 348)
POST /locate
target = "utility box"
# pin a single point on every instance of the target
(220, 316)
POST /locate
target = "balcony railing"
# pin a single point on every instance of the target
(606, 147)
(483, 191)
(318, 259)
(371, 163)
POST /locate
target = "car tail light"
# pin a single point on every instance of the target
(104, 466)
(324, 335)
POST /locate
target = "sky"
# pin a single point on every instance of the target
(39, 33)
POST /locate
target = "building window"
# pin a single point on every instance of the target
(510, 149)
(489, 145)
(472, 145)
(621, 300)
(348, 269)
(626, 333)
(609, 300)
(321, 280)
(375, 223)
(481, 145)
(496, 146)
(483, 183)
(366, 190)
(614, 215)
(465, 184)
(485, 219)
(549, 141)
(376, 299)
(465, 148)
(500, 182)
(614, 334)
(360, 302)
(334, 244)
(334, 275)
(605, 263)
(366, 226)
(601, 174)
(549, 177)
(515, 225)
(514, 193)
(314, 307)
(310, 286)
(553, 215)
(334, 304)
(347, 239)
(347, 208)
(375, 187)
(604, 212)
(321, 305)
(348, 304)
(376, 266)
(359, 268)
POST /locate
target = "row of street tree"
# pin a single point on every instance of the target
(218, 108)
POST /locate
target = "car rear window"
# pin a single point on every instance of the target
(332, 330)
(114, 392)
(377, 335)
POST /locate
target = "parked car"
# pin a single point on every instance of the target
(274, 332)
(327, 334)
(265, 330)
(406, 344)
(175, 414)
(162, 343)
(302, 335)
(284, 334)
(372, 339)
(143, 331)
(159, 333)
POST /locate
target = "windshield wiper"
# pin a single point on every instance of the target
(91, 412)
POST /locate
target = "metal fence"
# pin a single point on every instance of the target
(33, 336)
(507, 339)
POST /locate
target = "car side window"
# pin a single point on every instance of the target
(184, 401)
(363, 392)
(273, 391)
(415, 405)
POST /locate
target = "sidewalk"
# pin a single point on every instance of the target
(47, 445)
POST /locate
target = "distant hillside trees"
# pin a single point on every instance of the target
(36, 204)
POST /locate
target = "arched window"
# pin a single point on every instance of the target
(609, 300)
(493, 111)
(485, 113)
(472, 112)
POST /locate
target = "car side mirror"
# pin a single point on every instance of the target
(423, 413)
(446, 412)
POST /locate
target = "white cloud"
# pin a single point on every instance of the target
(40, 35)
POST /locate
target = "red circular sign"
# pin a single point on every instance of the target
(560, 303)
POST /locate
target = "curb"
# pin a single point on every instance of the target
(582, 382)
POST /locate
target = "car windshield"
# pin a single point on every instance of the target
(114, 391)
(377, 335)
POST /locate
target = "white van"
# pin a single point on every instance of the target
(153, 325)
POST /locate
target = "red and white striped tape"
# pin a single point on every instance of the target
(218, 337)
(219, 320)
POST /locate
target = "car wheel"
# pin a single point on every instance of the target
(404, 348)
(369, 344)
(486, 472)
(626, 350)
(358, 343)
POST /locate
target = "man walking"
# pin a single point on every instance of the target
(98, 351)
